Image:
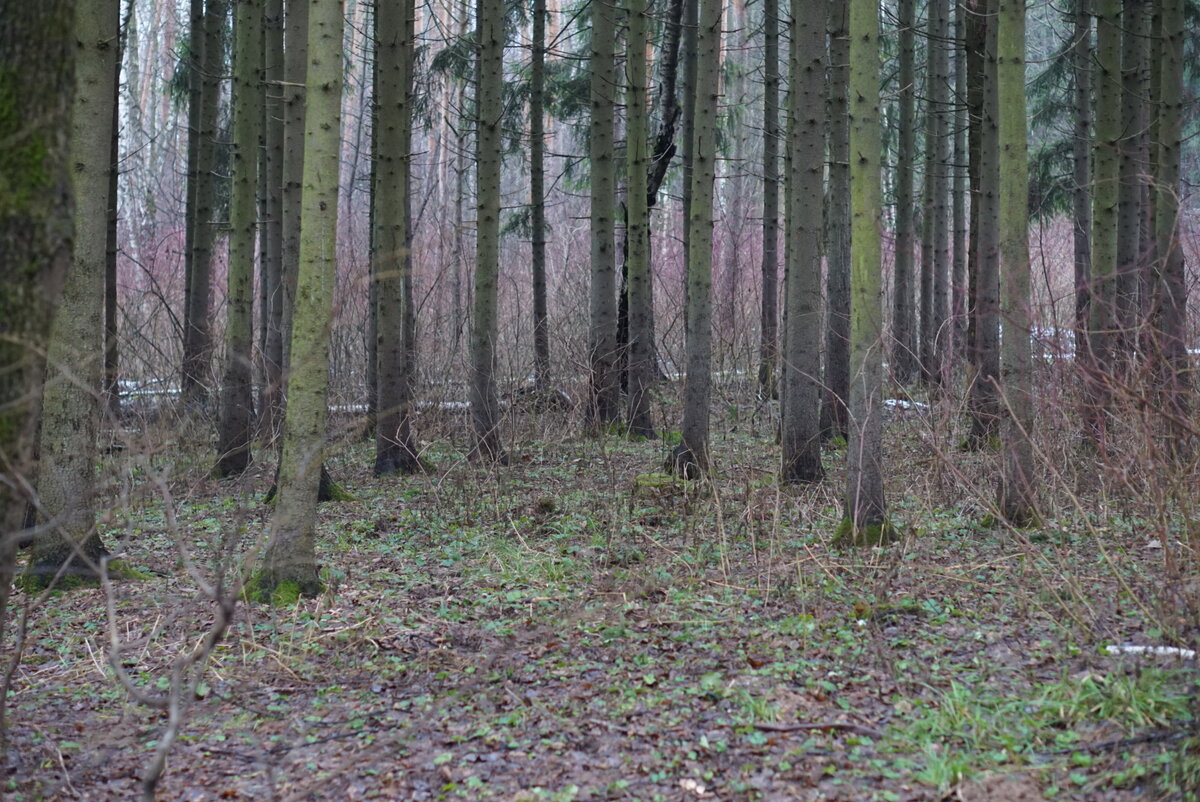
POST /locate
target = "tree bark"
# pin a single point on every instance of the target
(69, 544)
(801, 432)
(768, 347)
(1081, 161)
(604, 396)
(1103, 317)
(236, 428)
(290, 565)
(37, 90)
(1017, 501)
(835, 418)
(395, 449)
(690, 458)
(485, 405)
(1132, 168)
(271, 226)
(197, 325)
(641, 345)
(935, 250)
(866, 507)
(984, 401)
(537, 198)
(904, 329)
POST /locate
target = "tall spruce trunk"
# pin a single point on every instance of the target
(904, 320)
(1103, 317)
(691, 457)
(801, 390)
(866, 508)
(1169, 314)
(66, 483)
(537, 198)
(395, 449)
(935, 250)
(985, 289)
(1132, 169)
(834, 414)
(271, 224)
(197, 323)
(958, 270)
(295, 66)
(485, 405)
(768, 346)
(290, 565)
(604, 395)
(1081, 165)
(236, 427)
(641, 345)
(1017, 498)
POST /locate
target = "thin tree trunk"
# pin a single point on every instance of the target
(1081, 158)
(485, 406)
(958, 283)
(937, 176)
(537, 198)
(236, 427)
(641, 346)
(197, 351)
(604, 395)
(271, 226)
(904, 329)
(69, 543)
(691, 11)
(768, 347)
(984, 400)
(691, 458)
(1170, 309)
(112, 387)
(290, 565)
(1131, 170)
(295, 66)
(800, 431)
(1103, 318)
(1017, 501)
(835, 417)
(395, 450)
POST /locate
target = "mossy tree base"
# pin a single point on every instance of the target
(877, 534)
(273, 587)
(77, 575)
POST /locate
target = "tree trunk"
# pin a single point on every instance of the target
(835, 418)
(1017, 500)
(1170, 291)
(904, 330)
(1081, 160)
(1131, 168)
(485, 406)
(641, 345)
(800, 431)
(537, 198)
(112, 386)
(985, 290)
(395, 450)
(866, 509)
(691, 11)
(768, 347)
(66, 484)
(295, 66)
(958, 282)
(236, 429)
(290, 565)
(197, 325)
(690, 458)
(271, 226)
(1103, 317)
(195, 49)
(37, 84)
(935, 251)
(604, 395)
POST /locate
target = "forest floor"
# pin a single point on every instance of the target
(559, 630)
